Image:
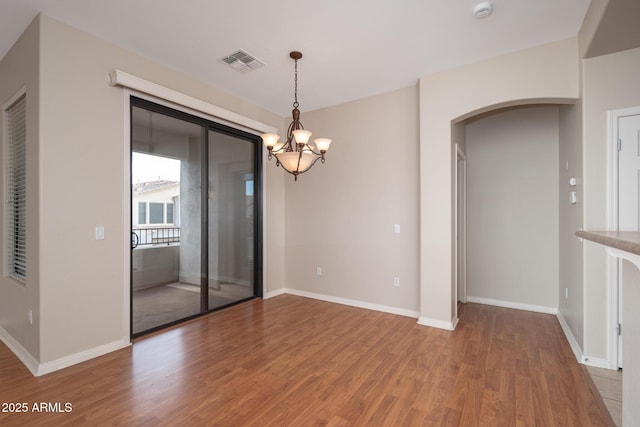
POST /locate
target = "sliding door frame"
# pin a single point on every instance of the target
(207, 125)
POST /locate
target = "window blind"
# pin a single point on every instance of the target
(16, 188)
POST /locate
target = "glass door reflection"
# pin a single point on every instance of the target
(166, 219)
(231, 219)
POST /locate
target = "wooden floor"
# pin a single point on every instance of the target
(292, 361)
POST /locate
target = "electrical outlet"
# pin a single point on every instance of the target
(318, 271)
(396, 282)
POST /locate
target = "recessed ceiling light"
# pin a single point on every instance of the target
(482, 10)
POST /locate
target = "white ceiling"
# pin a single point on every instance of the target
(352, 48)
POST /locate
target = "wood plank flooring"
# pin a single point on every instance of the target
(293, 361)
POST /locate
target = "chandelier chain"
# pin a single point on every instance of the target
(295, 86)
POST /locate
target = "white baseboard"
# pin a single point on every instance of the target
(573, 343)
(25, 357)
(73, 359)
(36, 368)
(440, 324)
(346, 301)
(514, 305)
(275, 293)
(425, 321)
(596, 362)
(455, 323)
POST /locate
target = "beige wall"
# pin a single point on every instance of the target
(18, 69)
(512, 207)
(543, 74)
(340, 215)
(610, 82)
(83, 283)
(570, 220)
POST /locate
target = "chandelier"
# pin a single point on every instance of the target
(297, 155)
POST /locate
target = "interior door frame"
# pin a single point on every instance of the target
(614, 264)
(460, 226)
(208, 124)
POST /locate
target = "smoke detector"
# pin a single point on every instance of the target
(482, 10)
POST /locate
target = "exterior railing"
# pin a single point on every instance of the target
(154, 236)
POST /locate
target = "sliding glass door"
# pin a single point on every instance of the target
(231, 219)
(166, 165)
(194, 216)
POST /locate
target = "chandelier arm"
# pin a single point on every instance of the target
(299, 160)
(279, 149)
(289, 146)
(314, 162)
(310, 148)
(290, 138)
(295, 173)
(292, 173)
(290, 130)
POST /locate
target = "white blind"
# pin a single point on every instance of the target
(16, 188)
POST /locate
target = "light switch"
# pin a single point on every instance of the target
(573, 198)
(100, 233)
(396, 228)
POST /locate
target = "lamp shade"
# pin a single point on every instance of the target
(270, 139)
(302, 136)
(322, 144)
(294, 161)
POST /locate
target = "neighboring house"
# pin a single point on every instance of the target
(155, 220)
(155, 204)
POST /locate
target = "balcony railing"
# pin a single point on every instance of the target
(154, 236)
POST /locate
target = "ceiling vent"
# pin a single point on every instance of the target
(242, 61)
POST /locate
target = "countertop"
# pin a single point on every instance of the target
(628, 241)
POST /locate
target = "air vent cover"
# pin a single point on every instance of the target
(242, 61)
